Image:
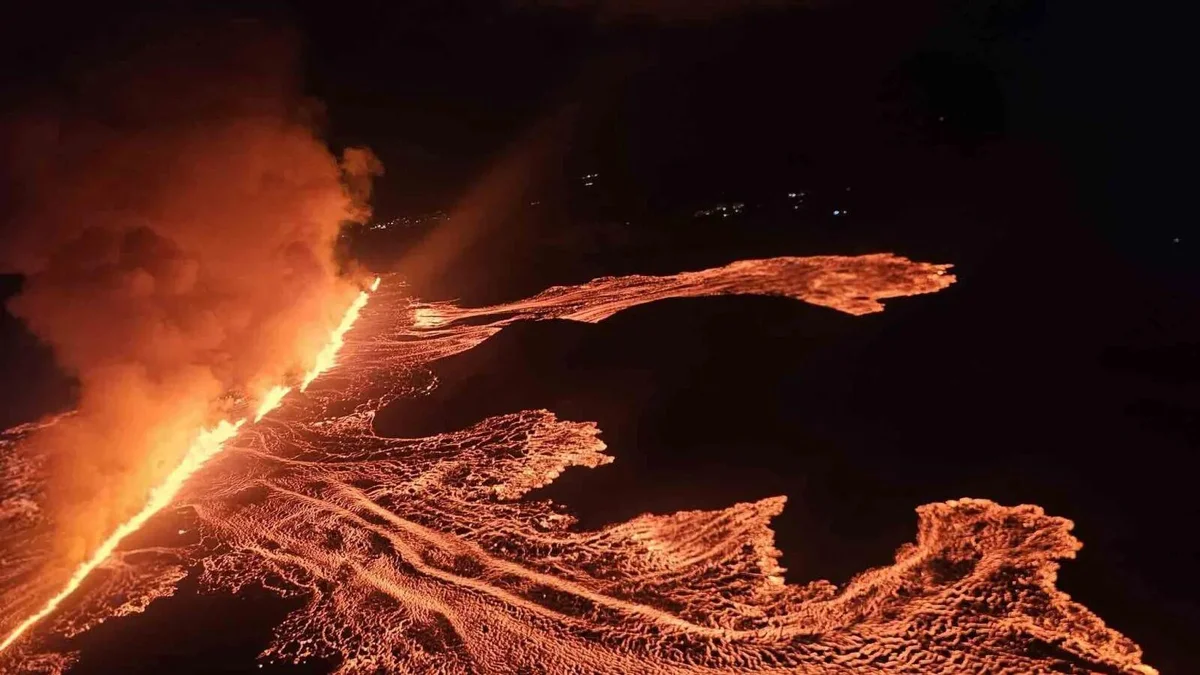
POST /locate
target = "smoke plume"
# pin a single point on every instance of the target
(175, 216)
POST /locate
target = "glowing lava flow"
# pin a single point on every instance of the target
(207, 445)
(432, 554)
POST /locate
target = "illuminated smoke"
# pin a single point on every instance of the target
(207, 444)
(175, 216)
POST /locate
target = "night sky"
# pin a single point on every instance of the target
(1042, 148)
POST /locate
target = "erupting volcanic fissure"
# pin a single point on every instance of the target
(423, 554)
(174, 214)
(208, 443)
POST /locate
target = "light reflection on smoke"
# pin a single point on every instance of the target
(417, 555)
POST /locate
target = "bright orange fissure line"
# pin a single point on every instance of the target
(207, 445)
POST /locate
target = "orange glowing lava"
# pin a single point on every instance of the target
(271, 401)
(207, 445)
(425, 555)
(327, 358)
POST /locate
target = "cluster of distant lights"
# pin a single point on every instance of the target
(409, 221)
(589, 180)
(723, 210)
(796, 199)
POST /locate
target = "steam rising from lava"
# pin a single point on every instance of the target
(175, 217)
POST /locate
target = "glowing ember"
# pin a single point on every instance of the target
(208, 444)
(420, 555)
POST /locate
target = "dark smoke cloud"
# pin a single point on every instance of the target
(664, 10)
(175, 215)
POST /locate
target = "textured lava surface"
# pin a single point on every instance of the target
(421, 555)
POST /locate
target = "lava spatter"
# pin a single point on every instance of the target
(421, 555)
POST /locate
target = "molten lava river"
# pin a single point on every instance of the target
(420, 555)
